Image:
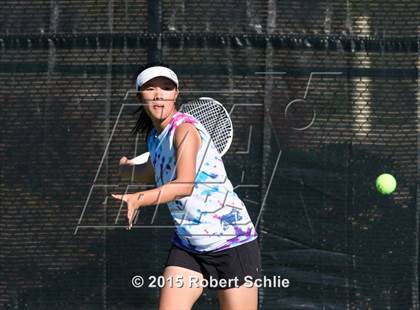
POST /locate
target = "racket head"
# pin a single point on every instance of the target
(214, 117)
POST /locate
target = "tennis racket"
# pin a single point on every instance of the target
(213, 116)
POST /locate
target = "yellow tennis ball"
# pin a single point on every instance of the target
(386, 183)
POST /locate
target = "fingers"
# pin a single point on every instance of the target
(123, 160)
(117, 196)
(132, 208)
(126, 197)
(131, 212)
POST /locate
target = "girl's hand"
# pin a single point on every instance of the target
(125, 167)
(133, 203)
(125, 161)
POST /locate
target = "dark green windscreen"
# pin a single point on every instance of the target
(323, 98)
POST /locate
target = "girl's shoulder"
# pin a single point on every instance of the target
(180, 118)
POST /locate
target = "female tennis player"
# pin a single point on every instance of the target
(215, 243)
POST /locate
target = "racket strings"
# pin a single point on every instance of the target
(214, 118)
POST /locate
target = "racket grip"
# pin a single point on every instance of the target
(141, 159)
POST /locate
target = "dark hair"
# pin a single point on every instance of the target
(144, 123)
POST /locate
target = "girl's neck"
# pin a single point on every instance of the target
(160, 126)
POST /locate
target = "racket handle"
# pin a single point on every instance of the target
(141, 159)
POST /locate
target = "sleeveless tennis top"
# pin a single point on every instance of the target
(213, 218)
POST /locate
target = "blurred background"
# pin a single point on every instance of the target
(323, 97)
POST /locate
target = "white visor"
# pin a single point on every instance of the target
(152, 72)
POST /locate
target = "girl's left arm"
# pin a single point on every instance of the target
(187, 144)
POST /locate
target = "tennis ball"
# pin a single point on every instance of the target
(386, 183)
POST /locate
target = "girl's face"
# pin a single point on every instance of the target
(159, 95)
